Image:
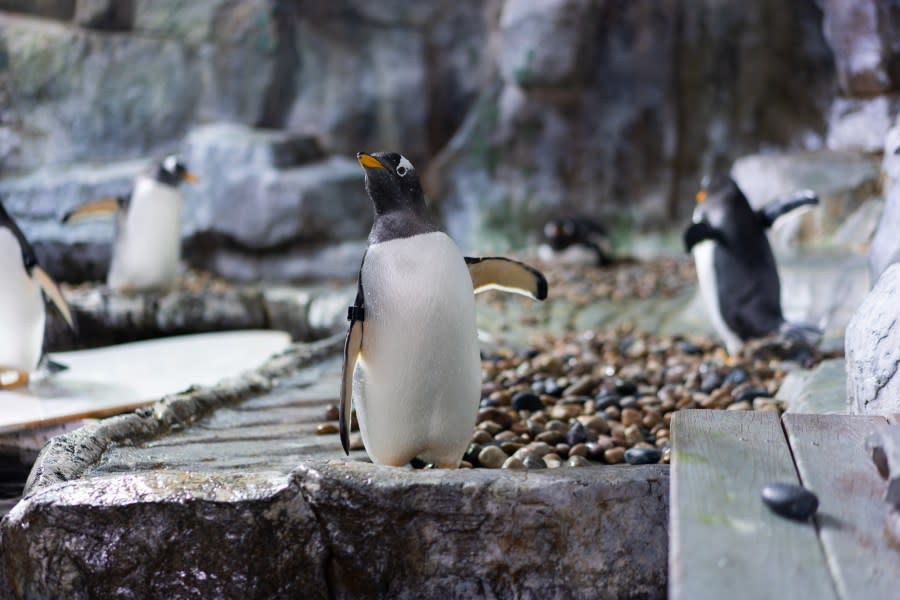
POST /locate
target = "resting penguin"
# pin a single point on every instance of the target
(411, 356)
(735, 265)
(575, 240)
(22, 311)
(147, 250)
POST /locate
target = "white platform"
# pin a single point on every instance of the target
(115, 379)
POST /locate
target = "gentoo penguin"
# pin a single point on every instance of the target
(575, 240)
(147, 249)
(411, 356)
(22, 311)
(735, 265)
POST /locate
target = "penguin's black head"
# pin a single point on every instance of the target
(559, 234)
(391, 182)
(720, 200)
(172, 171)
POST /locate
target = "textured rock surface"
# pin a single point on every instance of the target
(885, 248)
(873, 350)
(865, 37)
(264, 508)
(105, 317)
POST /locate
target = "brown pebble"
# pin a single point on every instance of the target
(742, 405)
(562, 449)
(539, 448)
(580, 387)
(630, 416)
(481, 437)
(578, 461)
(519, 427)
(551, 437)
(491, 427)
(326, 428)
(633, 435)
(506, 436)
(513, 463)
(497, 415)
(578, 450)
(464, 464)
(614, 455)
(613, 413)
(651, 418)
(491, 457)
(332, 413)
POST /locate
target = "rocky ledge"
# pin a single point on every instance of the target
(228, 492)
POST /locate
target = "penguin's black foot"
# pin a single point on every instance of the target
(12, 378)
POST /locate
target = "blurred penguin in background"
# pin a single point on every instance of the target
(22, 312)
(575, 240)
(735, 266)
(147, 249)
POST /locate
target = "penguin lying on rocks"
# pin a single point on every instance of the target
(147, 250)
(22, 310)
(575, 240)
(411, 356)
(735, 265)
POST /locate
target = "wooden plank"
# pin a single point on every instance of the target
(724, 541)
(830, 453)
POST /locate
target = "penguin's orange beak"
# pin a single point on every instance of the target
(700, 197)
(190, 177)
(367, 161)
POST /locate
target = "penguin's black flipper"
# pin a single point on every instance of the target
(497, 273)
(101, 207)
(356, 314)
(782, 205)
(52, 290)
(700, 232)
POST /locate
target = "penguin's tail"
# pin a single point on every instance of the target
(803, 333)
(50, 366)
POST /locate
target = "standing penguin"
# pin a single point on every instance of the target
(147, 250)
(735, 265)
(22, 311)
(411, 357)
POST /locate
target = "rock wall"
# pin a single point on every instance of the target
(515, 108)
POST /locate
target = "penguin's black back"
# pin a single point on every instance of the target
(29, 258)
(747, 283)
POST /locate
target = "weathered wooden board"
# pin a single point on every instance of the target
(724, 542)
(830, 453)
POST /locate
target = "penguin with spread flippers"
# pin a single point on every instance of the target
(411, 357)
(735, 265)
(147, 249)
(575, 240)
(22, 310)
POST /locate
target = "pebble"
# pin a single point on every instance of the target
(332, 413)
(790, 500)
(535, 462)
(630, 416)
(737, 376)
(604, 400)
(326, 428)
(578, 450)
(513, 463)
(491, 457)
(751, 393)
(527, 401)
(491, 427)
(576, 435)
(642, 456)
(633, 435)
(481, 437)
(577, 461)
(614, 455)
(539, 448)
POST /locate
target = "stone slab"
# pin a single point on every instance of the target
(114, 379)
(227, 492)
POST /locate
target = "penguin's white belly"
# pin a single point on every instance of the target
(147, 250)
(576, 254)
(418, 379)
(706, 275)
(21, 310)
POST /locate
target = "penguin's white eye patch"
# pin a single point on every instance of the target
(404, 166)
(170, 164)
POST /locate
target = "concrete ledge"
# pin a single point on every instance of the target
(227, 492)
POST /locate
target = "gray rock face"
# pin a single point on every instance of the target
(885, 247)
(570, 127)
(859, 124)
(226, 492)
(865, 37)
(872, 349)
(844, 181)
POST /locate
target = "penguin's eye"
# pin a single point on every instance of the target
(401, 170)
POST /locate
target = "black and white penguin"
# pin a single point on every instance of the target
(147, 249)
(735, 265)
(575, 240)
(22, 310)
(411, 356)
